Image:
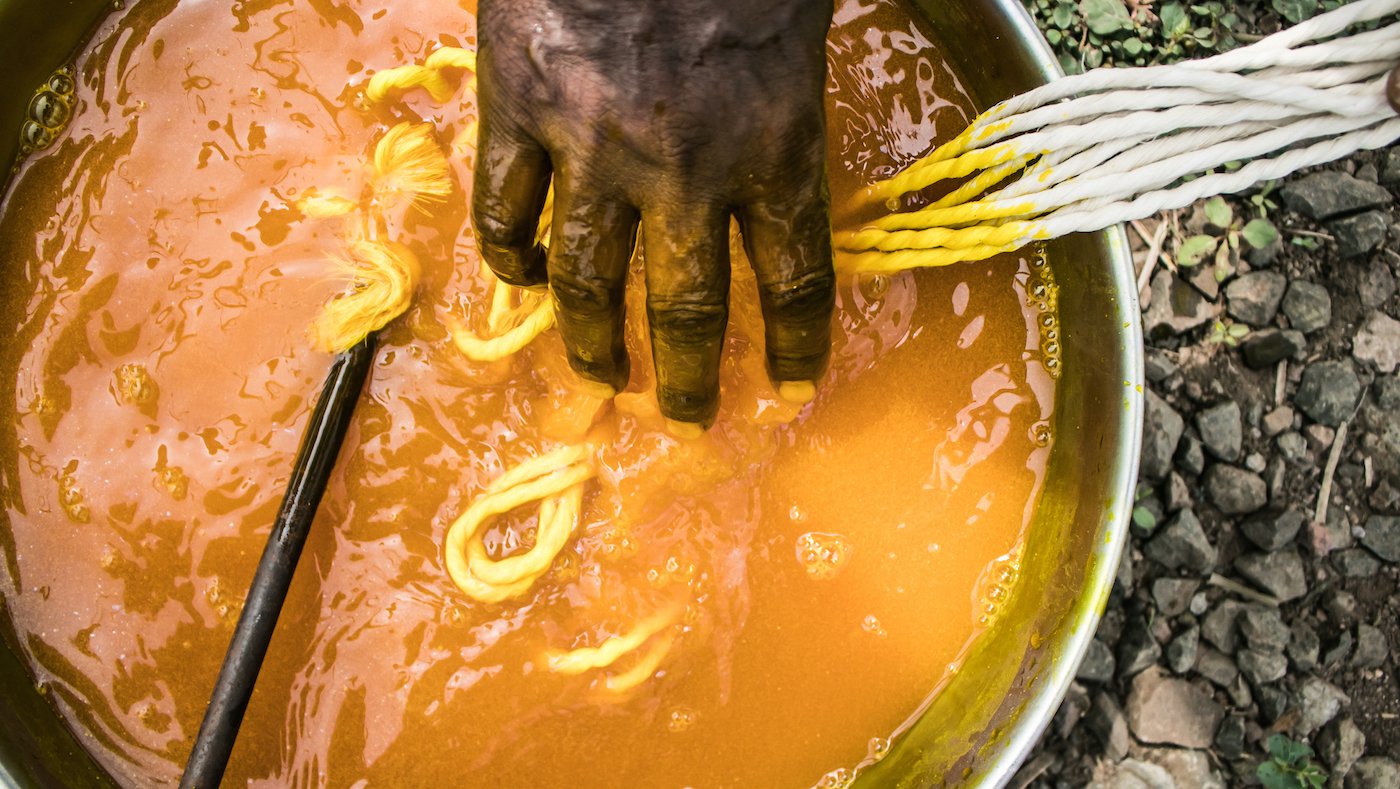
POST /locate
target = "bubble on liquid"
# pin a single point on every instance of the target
(681, 719)
(175, 482)
(871, 624)
(995, 586)
(62, 82)
(48, 109)
(1042, 434)
(72, 498)
(134, 384)
(108, 559)
(874, 286)
(839, 778)
(618, 543)
(35, 136)
(878, 748)
(823, 555)
(797, 515)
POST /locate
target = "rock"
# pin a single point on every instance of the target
(1176, 308)
(1165, 710)
(1319, 436)
(1280, 573)
(1334, 535)
(1216, 667)
(1374, 772)
(1278, 420)
(1263, 629)
(1137, 650)
(1162, 428)
(1375, 287)
(1178, 496)
(1221, 430)
(1097, 665)
(1273, 703)
(1355, 563)
(1371, 647)
(1220, 627)
(1383, 537)
(1106, 722)
(1255, 462)
(1261, 668)
(1390, 167)
(1172, 595)
(1378, 343)
(1330, 193)
(1188, 769)
(1254, 298)
(1124, 578)
(1266, 347)
(1360, 235)
(1133, 774)
(1182, 543)
(1181, 651)
(1274, 532)
(1308, 306)
(1190, 455)
(1304, 647)
(1293, 446)
(1203, 278)
(1265, 256)
(1229, 740)
(1340, 606)
(1235, 491)
(1340, 744)
(1329, 392)
(1319, 701)
(1158, 366)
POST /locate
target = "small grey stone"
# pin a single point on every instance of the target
(1216, 667)
(1266, 347)
(1261, 668)
(1371, 647)
(1255, 462)
(1292, 445)
(1169, 711)
(1329, 392)
(1334, 535)
(1308, 306)
(1390, 167)
(1303, 646)
(1105, 721)
(1097, 665)
(1229, 740)
(1172, 595)
(1125, 577)
(1134, 774)
(1158, 366)
(1240, 694)
(1368, 172)
(1178, 495)
(1200, 603)
(1319, 701)
(1340, 651)
(1235, 491)
(1388, 392)
(1191, 456)
(1341, 607)
(1137, 650)
(1221, 430)
(1272, 532)
(1221, 626)
(1176, 308)
(1374, 772)
(1340, 744)
(1375, 286)
(1181, 650)
(1267, 255)
(1378, 342)
(1162, 428)
(1360, 235)
(1355, 563)
(1203, 278)
(1383, 537)
(1330, 193)
(1254, 298)
(1278, 420)
(1280, 573)
(1319, 437)
(1182, 543)
(1263, 629)
(1273, 703)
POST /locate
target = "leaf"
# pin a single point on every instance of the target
(1218, 212)
(1260, 233)
(1295, 11)
(1273, 776)
(1175, 22)
(1144, 519)
(1133, 46)
(1191, 251)
(1106, 17)
(1063, 16)
(1306, 242)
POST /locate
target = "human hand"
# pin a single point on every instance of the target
(671, 115)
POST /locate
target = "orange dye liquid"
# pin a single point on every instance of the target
(827, 565)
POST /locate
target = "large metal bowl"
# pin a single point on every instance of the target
(987, 717)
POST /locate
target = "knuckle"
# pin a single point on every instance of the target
(810, 296)
(687, 320)
(496, 227)
(584, 296)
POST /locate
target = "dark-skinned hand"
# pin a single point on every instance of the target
(671, 116)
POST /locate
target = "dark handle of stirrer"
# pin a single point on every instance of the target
(315, 460)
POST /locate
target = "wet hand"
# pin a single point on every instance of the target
(671, 116)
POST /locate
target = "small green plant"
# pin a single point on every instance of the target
(1262, 200)
(1290, 766)
(1086, 34)
(1224, 249)
(1306, 242)
(1143, 517)
(1228, 333)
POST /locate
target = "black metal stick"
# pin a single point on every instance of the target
(246, 650)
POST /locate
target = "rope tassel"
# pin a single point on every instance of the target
(1112, 145)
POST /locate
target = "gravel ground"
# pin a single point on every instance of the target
(1243, 608)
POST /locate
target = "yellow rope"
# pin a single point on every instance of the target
(556, 480)
(429, 76)
(506, 339)
(383, 275)
(409, 164)
(577, 661)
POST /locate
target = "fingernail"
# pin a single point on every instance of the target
(1392, 89)
(596, 389)
(799, 392)
(684, 430)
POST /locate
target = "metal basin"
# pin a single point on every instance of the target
(987, 717)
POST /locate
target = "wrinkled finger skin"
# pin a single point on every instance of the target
(671, 116)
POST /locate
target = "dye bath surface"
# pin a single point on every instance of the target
(827, 565)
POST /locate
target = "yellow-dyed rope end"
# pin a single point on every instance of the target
(650, 639)
(383, 276)
(393, 82)
(409, 164)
